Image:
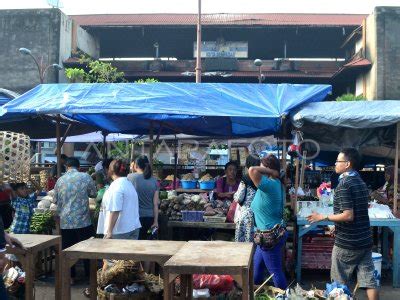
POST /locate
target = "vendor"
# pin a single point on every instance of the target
(385, 194)
(228, 184)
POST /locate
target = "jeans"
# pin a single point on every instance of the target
(272, 261)
(132, 235)
(3, 291)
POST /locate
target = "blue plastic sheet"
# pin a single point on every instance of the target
(207, 109)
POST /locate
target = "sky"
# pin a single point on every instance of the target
(76, 7)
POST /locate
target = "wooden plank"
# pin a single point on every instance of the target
(35, 242)
(396, 169)
(157, 251)
(207, 225)
(213, 257)
(192, 191)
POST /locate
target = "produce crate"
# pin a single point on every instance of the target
(317, 253)
(192, 216)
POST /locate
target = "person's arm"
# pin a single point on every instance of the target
(257, 172)
(112, 219)
(345, 200)
(155, 209)
(114, 206)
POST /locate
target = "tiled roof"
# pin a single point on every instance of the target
(221, 19)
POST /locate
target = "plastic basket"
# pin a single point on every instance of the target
(192, 216)
(207, 185)
(189, 184)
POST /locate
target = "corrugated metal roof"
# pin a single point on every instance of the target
(221, 19)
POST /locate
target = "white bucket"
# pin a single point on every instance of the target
(377, 260)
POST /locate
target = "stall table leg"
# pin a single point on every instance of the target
(93, 279)
(245, 286)
(29, 276)
(396, 261)
(57, 272)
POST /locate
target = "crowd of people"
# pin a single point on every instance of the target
(127, 199)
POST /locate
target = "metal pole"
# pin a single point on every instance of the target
(396, 169)
(198, 58)
(58, 134)
(259, 74)
(104, 145)
(151, 145)
(175, 162)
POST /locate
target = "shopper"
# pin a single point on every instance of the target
(72, 192)
(228, 184)
(147, 189)
(119, 212)
(244, 196)
(352, 252)
(267, 207)
(23, 205)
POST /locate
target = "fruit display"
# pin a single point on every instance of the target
(174, 204)
(188, 177)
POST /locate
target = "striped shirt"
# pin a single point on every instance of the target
(352, 194)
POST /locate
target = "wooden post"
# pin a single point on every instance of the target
(58, 135)
(396, 169)
(303, 168)
(296, 186)
(104, 152)
(175, 162)
(151, 144)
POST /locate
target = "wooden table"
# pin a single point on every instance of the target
(203, 257)
(202, 225)
(95, 249)
(34, 243)
(393, 224)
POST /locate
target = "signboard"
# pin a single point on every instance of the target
(210, 49)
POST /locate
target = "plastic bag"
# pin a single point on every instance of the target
(231, 212)
(215, 283)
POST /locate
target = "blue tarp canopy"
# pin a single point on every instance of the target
(207, 109)
(367, 125)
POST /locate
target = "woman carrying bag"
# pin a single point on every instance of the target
(270, 235)
(244, 218)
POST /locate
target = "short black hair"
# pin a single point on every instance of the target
(252, 161)
(16, 186)
(353, 156)
(107, 162)
(64, 157)
(73, 162)
(231, 163)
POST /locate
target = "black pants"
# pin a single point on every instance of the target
(3, 291)
(71, 237)
(146, 223)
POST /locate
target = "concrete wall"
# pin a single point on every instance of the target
(65, 43)
(87, 43)
(38, 30)
(383, 50)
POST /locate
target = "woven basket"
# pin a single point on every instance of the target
(14, 157)
(44, 175)
(102, 295)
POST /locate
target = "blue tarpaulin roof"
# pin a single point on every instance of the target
(211, 109)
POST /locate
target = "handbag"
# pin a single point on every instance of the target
(268, 239)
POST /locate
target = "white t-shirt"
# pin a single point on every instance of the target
(120, 196)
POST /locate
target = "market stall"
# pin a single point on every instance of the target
(197, 257)
(33, 244)
(96, 249)
(371, 126)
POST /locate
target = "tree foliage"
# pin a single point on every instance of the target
(350, 97)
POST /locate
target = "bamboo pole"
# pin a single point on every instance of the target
(303, 168)
(151, 152)
(175, 162)
(296, 185)
(58, 135)
(396, 169)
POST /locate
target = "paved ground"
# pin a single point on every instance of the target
(45, 288)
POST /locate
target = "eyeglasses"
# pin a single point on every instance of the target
(339, 161)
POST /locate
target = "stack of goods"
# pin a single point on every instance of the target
(14, 279)
(14, 157)
(47, 202)
(42, 223)
(44, 176)
(174, 204)
(216, 211)
(168, 183)
(126, 280)
(379, 211)
(207, 182)
(188, 181)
